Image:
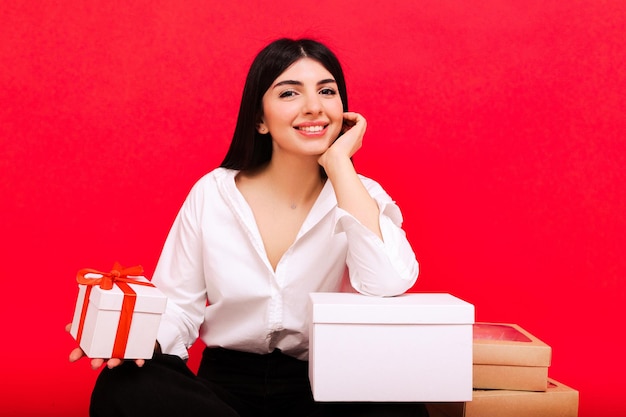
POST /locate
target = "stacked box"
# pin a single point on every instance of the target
(511, 378)
(558, 400)
(414, 347)
(508, 357)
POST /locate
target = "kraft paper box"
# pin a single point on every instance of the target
(414, 347)
(121, 322)
(526, 378)
(508, 344)
(508, 357)
(558, 400)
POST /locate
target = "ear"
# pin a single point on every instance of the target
(261, 127)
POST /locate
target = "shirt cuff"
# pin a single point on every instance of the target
(170, 340)
(384, 267)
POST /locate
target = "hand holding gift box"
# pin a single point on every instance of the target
(117, 314)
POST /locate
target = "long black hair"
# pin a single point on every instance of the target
(249, 149)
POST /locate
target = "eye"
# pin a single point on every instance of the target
(328, 91)
(287, 94)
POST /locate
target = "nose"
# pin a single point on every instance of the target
(312, 104)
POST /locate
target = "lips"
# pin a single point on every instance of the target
(316, 127)
(311, 129)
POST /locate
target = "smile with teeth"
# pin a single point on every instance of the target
(311, 129)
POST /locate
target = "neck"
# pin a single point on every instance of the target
(295, 181)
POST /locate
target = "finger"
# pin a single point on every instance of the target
(349, 121)
(140, 362)
(113, 362)
(353, 119)
(68, 327)
(353, 116)
(96, 363)
(76, 354)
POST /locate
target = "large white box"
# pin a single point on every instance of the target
(414, 347)
(100, 326)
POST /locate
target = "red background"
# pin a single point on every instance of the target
(498, 126)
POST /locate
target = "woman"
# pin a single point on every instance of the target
(285, 215)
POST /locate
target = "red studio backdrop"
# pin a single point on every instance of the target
(498, 127)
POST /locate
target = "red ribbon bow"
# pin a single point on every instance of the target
(117, 274)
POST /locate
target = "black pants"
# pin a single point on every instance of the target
(229, 384)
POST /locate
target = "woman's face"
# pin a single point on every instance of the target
(302, 109)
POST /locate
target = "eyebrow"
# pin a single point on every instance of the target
(299, 83)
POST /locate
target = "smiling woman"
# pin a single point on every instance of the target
(285, 215)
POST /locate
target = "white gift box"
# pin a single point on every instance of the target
(414, 347)
(101, 327)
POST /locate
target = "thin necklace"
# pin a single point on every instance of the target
(294, 205)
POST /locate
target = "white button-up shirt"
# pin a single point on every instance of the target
(220, 284)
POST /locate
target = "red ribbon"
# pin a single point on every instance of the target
(122, 277)
(118, 273)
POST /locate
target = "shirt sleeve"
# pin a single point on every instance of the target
(179, 275)
(378, 267)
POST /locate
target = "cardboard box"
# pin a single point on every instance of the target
(414, 347)
(121, 322)
(508, 344)
(526, 378)
(558, 400)
(508, 357)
